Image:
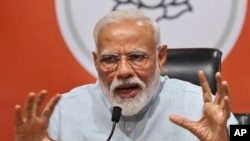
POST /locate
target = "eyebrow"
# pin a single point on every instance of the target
(139, 50)
(135, 50)
(107, 52)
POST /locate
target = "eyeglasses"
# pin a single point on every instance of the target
(137, 60)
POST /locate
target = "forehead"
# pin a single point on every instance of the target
(127, 25)
(126, 34)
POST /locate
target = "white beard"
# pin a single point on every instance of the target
(132, 106)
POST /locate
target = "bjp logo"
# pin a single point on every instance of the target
(167, 9)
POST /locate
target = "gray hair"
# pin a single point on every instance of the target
(119, 16)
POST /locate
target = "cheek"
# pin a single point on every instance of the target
(106, 77)
(146, 74)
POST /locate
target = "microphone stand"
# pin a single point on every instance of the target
(112, 131)
(116, 114)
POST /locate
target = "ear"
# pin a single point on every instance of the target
(94, 54)
(162, 57)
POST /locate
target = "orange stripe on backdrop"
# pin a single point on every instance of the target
(33, 56)
(236, 69)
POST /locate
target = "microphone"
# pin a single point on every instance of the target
(116, 114)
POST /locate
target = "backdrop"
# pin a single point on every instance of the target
(45, 44)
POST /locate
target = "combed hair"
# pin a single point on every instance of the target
(122, 15)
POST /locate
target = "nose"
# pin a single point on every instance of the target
(124, 69)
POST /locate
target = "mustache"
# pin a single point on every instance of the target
(119, 82)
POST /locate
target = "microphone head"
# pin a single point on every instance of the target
(116, 114)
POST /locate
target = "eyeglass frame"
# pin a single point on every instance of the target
(126, 57)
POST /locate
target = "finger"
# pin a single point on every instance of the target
(29, 106)
(183, 122)
(38, 102)
(226, 93)
(226, 89)
(226, 107)
(205, 87)
(51, 105)
(18, 116)
(219, 94)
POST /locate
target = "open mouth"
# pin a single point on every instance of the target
(127, 90)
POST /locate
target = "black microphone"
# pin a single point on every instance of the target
(116, 114)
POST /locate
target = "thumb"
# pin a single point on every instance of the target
(183, 122)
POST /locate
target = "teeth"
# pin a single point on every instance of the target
(126, 89)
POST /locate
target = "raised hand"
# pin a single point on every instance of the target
(32, 125)
(212, 125)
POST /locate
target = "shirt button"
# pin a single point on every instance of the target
(129, 129)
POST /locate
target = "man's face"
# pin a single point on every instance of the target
(127, 65)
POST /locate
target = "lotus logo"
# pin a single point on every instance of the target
(170, 9)
(183, 23)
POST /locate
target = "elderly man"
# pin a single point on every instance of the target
(129, 60)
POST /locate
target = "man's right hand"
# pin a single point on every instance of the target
(32, 124)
